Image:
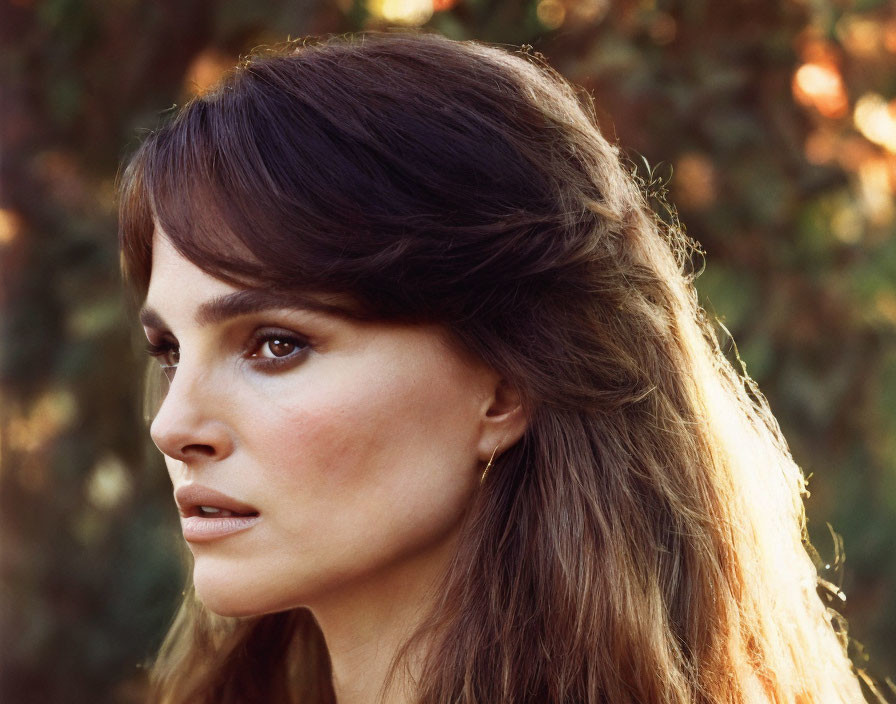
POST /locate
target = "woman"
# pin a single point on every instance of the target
(445, 421)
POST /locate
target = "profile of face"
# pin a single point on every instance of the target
(358, 444)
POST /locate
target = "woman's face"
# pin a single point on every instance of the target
(358, 444)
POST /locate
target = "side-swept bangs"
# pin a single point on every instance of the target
(369, 178)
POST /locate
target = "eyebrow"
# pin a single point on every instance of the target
(251, 300)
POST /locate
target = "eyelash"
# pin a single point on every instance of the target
(161, 350)
(167, 348)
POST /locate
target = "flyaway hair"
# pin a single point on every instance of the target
(644, 542)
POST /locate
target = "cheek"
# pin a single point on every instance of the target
(386, 450)
(344, 425)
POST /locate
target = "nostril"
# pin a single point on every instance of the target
(197, 449)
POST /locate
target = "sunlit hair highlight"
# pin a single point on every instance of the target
(644, 541)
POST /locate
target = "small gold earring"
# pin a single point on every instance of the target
(489, 465)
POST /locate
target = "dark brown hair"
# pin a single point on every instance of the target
(643, 542)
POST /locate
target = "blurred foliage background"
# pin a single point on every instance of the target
(773, 122)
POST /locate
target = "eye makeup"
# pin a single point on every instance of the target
(275, 348)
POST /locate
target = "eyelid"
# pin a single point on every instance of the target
(160, 349)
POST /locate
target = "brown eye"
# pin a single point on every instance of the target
(278, 347)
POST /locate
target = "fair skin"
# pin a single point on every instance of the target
(359, 443)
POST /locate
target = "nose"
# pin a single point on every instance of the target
(188, 426)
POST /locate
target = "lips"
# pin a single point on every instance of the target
(196, 500)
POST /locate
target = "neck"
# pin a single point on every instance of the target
(366, 625)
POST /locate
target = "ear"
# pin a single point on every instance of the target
(503, 421)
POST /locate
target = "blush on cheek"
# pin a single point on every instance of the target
(316, 446)
(346, 417)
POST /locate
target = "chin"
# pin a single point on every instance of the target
(228, 594)
(225, 603)
(226, 591)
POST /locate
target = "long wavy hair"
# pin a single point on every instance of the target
(645, 540)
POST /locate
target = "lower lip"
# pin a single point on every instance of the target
(202, 530)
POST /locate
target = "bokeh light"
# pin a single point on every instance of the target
(551, 13)
(206, 70)
(821, 86)
(696, 181)
(10, 226)
(108, 484)
(32, 428)
(876, 120)
(402, 12)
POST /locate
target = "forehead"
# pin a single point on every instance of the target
(177, 286)
(169, 265)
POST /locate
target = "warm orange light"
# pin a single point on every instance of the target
(10, 226)
(206, 70)
(820, 86)
(876, 120)
(694, 180)
(876, 191)
(442, 5)
(403, 12)
(31, 429)
(890, 36)
(821, 146)
(587, 11)
(861, 36)
(853, 151)
(551, 13)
